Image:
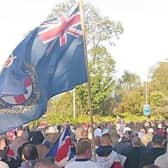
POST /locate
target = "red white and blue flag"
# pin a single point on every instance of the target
(61, 150)
(60, 28)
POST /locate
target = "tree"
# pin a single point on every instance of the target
(129, 94)
(159, 80)
(101, 65)
(159, 90)
(132, 102)
(129, 81)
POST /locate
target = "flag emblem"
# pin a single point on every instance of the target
(53, 29)
(30, 96)
(9, 61)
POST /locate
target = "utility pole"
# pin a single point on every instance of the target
(146, 93)
(74, 104)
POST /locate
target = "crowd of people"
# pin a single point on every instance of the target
(115, 145)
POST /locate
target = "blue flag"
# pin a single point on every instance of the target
(49, 61)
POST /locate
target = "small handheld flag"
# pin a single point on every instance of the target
(61, 150)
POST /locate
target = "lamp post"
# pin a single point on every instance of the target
(146, 108)
(146, 92)
(74, 104)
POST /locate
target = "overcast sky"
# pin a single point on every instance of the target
(143, 43)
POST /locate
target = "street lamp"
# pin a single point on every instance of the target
(146, 108)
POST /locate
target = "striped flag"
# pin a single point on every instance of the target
(61, 150)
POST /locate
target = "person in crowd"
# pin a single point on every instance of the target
(45, 163)
(36, 137)
(113, 133)
(160, 129)
(97, 135)
(134, 155)
(162, 161)
(146, 136)
(105, 155)
(51, 136)
(11, 135)
(4, 153)
(3, 165)
(120, 126)
(124, 146)
(156, 150)
(83, 156)
(29, 156)
(22, 136)
(42, 150)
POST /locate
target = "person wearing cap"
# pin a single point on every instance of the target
(156, 150)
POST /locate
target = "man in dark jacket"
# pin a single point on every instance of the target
(124, 146)
(156, 150)
(134, 155)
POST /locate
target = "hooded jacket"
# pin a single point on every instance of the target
(107, 157)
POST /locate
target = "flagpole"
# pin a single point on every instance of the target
(74, 103)
(89, 84)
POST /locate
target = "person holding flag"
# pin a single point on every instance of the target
(62, 150)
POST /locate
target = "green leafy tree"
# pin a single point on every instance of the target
(132, 102)
(159, 80)
(101, 65)
(129, 81)
(58, 110)
(158, 90)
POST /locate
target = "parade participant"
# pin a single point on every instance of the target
(156, 150)
(124, 146)
(83, 157)
(162, 160)
(97, 135)
(106, 156)
(134, 155)
(29, 156)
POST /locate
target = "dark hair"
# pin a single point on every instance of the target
(157, 138)
(30, 152)
(106, 135)
(5, 139)
(36, 137)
